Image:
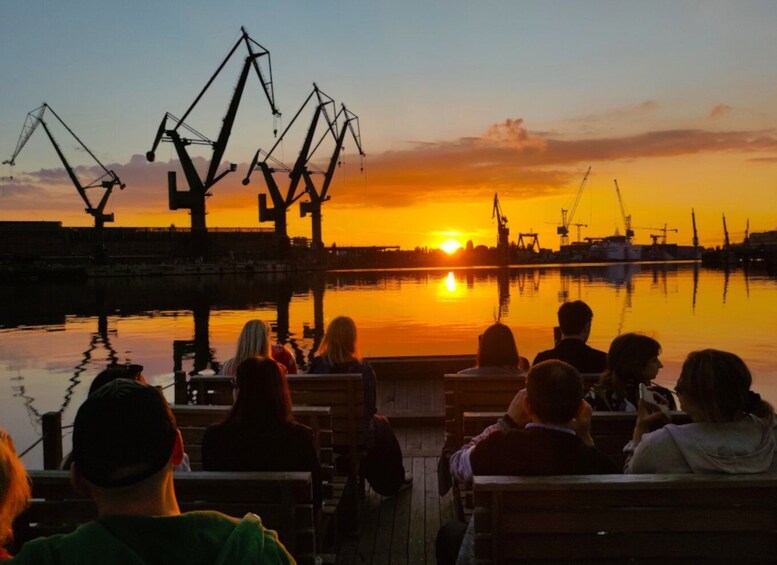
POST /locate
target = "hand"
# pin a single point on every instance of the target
(516, 410)
(582, 423)
(647, 420)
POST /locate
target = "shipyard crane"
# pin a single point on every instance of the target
(695, 233)
(663, 231)
(746, 239)
(318, 197)
(171, 129)
(302, 170)
(568, 215)
(107, 181)
(726, 242)
(502, 231)
(626, 218)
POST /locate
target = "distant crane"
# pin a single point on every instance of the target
(695, 233)
(194, 198)
(302, 170)
(502, 231)
(747, 233)
(529, 241)
(663, 231)
(726, 242)
(107, 181)
(568, 215)
(626, 218)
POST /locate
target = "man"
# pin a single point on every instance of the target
(574, 319)
(546, 431)
(125, 444)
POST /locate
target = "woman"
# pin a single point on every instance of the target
(259, 432)
(732, 431)
(254, 341)
(632, 360)
(14, 490)
(339, 353)
(497, 354)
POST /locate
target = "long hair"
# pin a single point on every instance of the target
(627, 359)
(263, 399)
(339, 343)
(718, 383)
(15, 489)
(497, 348)
(254, 341)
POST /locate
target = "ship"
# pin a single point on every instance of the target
(613, 248)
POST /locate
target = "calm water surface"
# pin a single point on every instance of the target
(54, 338)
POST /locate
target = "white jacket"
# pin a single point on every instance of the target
(746, 446)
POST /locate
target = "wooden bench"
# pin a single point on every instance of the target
(481, 393)
(611, 431)
(626, 519)
(283, 501)
(420, 366)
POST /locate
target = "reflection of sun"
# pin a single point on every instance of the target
(450, 246)
(450, 282)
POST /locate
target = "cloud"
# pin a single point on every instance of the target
(507, 158)
(762, 160)
(634, 110)
(720, 111)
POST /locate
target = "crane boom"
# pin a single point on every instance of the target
(626, 218)
(568, 215)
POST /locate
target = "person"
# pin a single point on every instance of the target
(254, 341)
(339, 353)
(259, 432)
(574, 320)
(132, 372)
(546, 431)
(125, 443)
(497, 354)
(631, 360)
(732, 429)
(128, 371)
(14, 491)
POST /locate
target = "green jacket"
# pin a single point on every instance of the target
(193, 538)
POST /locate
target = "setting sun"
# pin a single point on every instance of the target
(450, 246)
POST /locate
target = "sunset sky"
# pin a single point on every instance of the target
(457, 100)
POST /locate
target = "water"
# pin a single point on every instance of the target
(54, 338)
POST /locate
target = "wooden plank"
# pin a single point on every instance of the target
(382, 552)
(432, 508)
(370, 516)
(416, 541)
(402, 519)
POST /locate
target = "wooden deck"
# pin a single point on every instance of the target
(402, 529)
(408, 400)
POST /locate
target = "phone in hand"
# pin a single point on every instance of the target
(646, 395)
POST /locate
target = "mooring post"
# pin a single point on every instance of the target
(51, 424)
(180, 395)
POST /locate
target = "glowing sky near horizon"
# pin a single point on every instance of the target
(457, 100)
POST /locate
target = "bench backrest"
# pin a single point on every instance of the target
(420, 366)
(192, 421)
(481, 393)
(282, 500)
(626, 518)
(611, 431)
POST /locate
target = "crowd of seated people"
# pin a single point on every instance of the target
(126, 444)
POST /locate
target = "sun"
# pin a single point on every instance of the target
(450, 246)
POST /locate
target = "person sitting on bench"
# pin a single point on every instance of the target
(574, 320)
(125, 443)
(498, 354)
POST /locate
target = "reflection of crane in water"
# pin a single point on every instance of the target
(316, 333)
(503, 288)
(626, 306)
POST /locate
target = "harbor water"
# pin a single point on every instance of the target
(54, 338)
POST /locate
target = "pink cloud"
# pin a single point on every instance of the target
(720, 111)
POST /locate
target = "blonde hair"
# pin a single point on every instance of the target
(339, 343)
(15, 489)
(254, 341)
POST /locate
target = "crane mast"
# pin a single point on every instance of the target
(107, 181)
(726, 241)
(568, 215)
(502, 231)
(695, 233)
(626, 218)
(171, 130)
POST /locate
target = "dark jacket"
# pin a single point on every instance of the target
(575, 352)
(537, 451)
(322, 365)
(288, 448)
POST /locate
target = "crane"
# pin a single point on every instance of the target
(170, 130)
(568, 215)
(695, 233)
(726, 241)
(626, 218)
(746, 240)
(502, 231)
(301, 170)
(663, 231)
(107, 181)
(313, 206)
